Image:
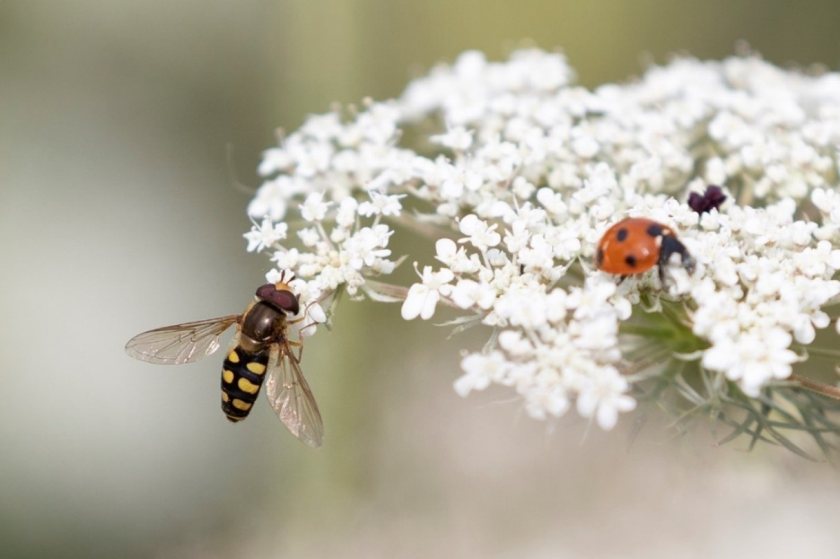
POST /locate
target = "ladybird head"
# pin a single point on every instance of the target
(671, 245)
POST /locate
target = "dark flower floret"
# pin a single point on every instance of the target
(708, 201)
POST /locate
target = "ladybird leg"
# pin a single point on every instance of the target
(687, 261)
(622, 278)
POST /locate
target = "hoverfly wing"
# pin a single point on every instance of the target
(291, 398)
(180, 343)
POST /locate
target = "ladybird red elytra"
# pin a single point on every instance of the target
(636, 244)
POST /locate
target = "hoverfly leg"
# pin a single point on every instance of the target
(302, 316)
(310, 325)
(298, 344)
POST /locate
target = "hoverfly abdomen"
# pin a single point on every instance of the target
(242, 376)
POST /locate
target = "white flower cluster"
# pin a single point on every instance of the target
(520, 172)
(324, 173)
(765, 279)
(555, 343)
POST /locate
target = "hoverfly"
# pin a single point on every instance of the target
(260, 349)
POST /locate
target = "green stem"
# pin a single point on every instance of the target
(826, 390)
(638, 330)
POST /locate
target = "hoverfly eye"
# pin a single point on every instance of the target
(287, 301)
(281, 299)
(266, 292)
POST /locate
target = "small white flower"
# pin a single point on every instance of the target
(479, 371)
(274, 159)
(517, 238)
(547, 400)
(603, 396)
(367, 246)
(423, 297)
(446, 251)
(456, 259)
(752, 358)
(585, 146)
(539, 255)
(345, 217)
(468, 293)
(271, 200)
(457, 138)
(513, 342)
(552, 201)
(479, 234)
(381, 204)
(523, 188)
(316, 313)
(265, 235)
(309, 236)
(314, 208)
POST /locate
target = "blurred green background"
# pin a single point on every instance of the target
(119, 213)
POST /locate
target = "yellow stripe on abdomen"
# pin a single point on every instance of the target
(242, 377)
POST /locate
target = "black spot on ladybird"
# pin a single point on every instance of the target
(654, 230)
(621, 234)
(630, 260)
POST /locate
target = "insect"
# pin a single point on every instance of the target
(637, 244)
(260, 349)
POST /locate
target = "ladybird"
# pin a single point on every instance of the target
(637, 244)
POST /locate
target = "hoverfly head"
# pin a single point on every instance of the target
(280, 296)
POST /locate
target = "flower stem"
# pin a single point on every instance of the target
(423, 228)
(826, 390)
(388, 289)
(400, 292)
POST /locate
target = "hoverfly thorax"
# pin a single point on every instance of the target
(262, 324)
